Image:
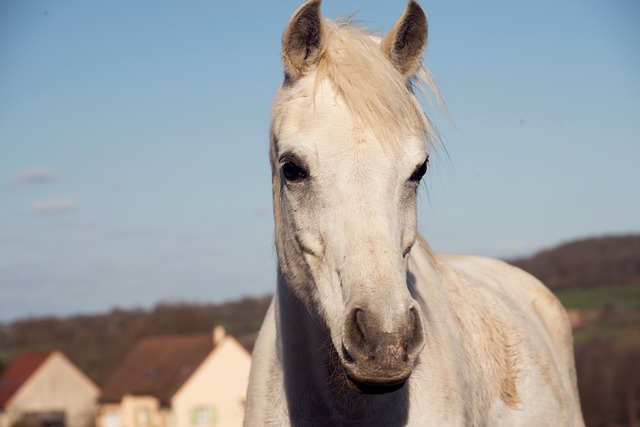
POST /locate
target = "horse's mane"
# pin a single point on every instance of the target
(375, 92)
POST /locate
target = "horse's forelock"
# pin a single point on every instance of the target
(378, 96)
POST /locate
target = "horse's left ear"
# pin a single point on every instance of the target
(407, 39)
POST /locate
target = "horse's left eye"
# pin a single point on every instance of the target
(419, 172)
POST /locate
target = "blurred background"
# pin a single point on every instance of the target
(135, 191)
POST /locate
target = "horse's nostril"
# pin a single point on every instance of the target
(415, 336)
(358, 333)
(347, 356)
(359, 322)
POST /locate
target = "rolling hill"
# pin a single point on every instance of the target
(587, 263)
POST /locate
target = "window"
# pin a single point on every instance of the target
(112, 419)
(143, 417)
(204, 415)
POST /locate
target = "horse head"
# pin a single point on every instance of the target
(349, 147)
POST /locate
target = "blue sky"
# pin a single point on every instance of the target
(134, 134)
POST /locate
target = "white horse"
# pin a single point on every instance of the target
(367, 326)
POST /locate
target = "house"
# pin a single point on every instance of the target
(46, 390)
(178, 381)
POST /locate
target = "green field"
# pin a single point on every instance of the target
(601, 297)
(612, 312)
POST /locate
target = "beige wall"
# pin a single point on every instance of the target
(215, 393)
(57, 385)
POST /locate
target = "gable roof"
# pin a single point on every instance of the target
(157, 366)
(18, 373)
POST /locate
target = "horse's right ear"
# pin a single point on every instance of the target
(302, 40)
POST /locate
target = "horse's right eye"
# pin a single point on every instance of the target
(292, 172)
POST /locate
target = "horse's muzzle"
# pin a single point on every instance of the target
(378, 362)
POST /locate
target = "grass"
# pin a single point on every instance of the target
(602, 297)
(618, 308)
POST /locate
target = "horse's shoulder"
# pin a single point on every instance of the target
(509, 309)
(481, 265)
(518, 286)
(500, 275)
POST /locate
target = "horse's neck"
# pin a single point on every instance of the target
(315, 392)
(302, 345)
(301, 334)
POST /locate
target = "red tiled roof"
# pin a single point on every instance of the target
(157, 366)
(18, 373)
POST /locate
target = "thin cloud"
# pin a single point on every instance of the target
(52, 206)
(261, 210)
(35, 175)
(17, 241)
(513, 250)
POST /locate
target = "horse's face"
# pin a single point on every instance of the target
(345, 199)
